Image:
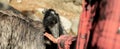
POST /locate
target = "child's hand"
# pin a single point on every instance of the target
(50, 37)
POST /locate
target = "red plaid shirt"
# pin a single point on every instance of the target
(103, 32)
(99, 26)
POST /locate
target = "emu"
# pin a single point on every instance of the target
(52, 24)
(18, 31)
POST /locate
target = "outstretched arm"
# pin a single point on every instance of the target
(49, 36)
(64, 41)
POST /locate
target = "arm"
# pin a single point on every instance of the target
(64, 41)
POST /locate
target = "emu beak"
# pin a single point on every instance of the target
(44, 10)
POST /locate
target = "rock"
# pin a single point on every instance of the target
(75, 23)
(66, 24)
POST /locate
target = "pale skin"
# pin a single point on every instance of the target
(68, 40)
(50, 37)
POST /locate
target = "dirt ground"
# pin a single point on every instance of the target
(68, 10)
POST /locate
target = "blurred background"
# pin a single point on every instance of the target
(69, 11)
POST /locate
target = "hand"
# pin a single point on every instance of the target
(64, 41)
(50, 37)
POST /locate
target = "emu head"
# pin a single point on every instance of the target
(51, 22)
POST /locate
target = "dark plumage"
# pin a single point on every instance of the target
(52, 25)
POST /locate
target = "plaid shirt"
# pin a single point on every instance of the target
(99, 26)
